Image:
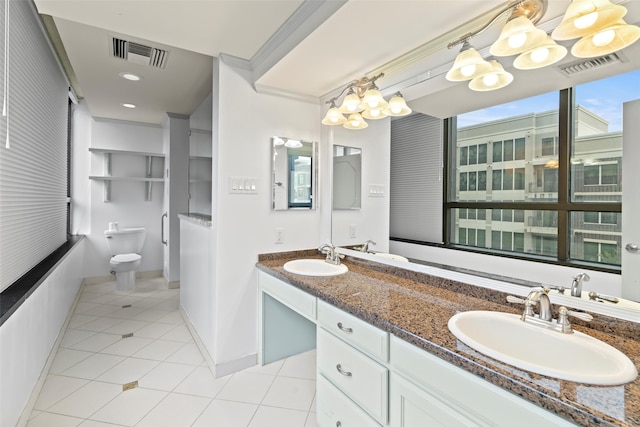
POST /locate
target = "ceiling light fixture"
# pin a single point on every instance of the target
(363, 101)
(598, 24)
(127, 105)
(130, 76)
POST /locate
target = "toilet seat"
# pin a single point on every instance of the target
(123, 258)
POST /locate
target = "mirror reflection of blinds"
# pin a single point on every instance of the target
(416, 178)
(33, 172)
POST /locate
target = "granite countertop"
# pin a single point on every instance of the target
(198, 219)
(416, 308)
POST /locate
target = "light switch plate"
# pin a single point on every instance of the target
(243, 185)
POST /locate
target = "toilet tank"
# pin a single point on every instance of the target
(125, 240)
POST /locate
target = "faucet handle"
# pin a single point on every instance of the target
(528, 304)
(515, 300)
(580, 315)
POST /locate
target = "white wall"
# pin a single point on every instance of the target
(371, 221)
(244, 225)
(29, 334)
(91, 214)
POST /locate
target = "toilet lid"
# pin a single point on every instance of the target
(125, 258)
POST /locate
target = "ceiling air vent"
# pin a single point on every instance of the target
(590, 64)
(139, 53)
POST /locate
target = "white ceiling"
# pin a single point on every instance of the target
(306, 47)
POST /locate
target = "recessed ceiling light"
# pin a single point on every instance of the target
(125, 105)
(130, 76)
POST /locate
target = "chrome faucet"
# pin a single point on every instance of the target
(365, 245)
(576, 284)
(332, 256)
(538, 297)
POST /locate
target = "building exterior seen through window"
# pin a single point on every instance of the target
(507, 157)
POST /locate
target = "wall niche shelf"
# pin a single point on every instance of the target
(107, 178)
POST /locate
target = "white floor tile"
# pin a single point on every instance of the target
(176, 410)
(105, 310)
(66, 358)
(87, 400)
(172, 317)
(300, 366)
(34, 413)
(99, 324)
(188, 354)
(99, 298)
(74, 336)
(169, 305)
(202, 383)
(130, 369)
(80, 319)
(127, 346)
(151, 315)
(92, 423)
(56, 388)
(129, 407)
(86, 307)
(228, 414)
(96, 342)
(158, 350)
(93, 366)
(246, 387)
(154, 330)
(47, 419)
(166, 376)
(126, 327)
(179, 333)
(270, 369)
(291, 393)
(126, 313)
(267, 416)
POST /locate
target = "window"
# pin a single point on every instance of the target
(530, 209)
(473, 154)
(464, 155)
(482, 154)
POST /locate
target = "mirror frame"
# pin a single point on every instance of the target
(277, 144)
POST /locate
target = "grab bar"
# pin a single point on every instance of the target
(164, 241)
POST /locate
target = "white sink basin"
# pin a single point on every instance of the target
(314, 267)
(574, 357)
(391, 256)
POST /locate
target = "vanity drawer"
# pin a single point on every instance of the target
(289, 295)
(359, 377)
(334, 408)
(358, 333)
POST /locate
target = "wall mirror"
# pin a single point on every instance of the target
(293, 173)
(347, 177)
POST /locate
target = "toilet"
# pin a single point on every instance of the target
(125, 244)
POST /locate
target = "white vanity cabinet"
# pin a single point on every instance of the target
(428, 391)
(369, 378)
(349, 354)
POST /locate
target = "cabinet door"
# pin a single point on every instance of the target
(410, 406)
(362, 379)
(336, 409)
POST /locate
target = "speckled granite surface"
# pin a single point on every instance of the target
(198, 219)
(416, 307)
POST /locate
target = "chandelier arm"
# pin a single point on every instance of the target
(348, 86)
(466, 37)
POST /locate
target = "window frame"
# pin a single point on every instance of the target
(564, 206)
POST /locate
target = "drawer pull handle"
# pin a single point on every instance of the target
(343, 329)
(342, 371)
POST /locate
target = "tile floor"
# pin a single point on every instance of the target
(175, 387)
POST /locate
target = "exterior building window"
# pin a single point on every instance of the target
(549, 146)
(601, 174)
(497, 151)
(482, 154)
(464, 156)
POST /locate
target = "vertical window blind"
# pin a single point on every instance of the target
(33, 165)
(416, 178)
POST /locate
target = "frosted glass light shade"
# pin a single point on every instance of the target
(375, 113)
(350, 103)
(468, 64)
(496, 78)
(545, 54)
(373, 99)
(517, 36)
(607, 40)
(584, 17)
(355, 121)
(334, 117)
(398, 106)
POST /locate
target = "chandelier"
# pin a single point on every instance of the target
(363, 101)
(597, 23)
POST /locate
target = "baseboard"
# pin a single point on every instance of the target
(226, 368)
(218, 369)
(139, 275)
(173, 285)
